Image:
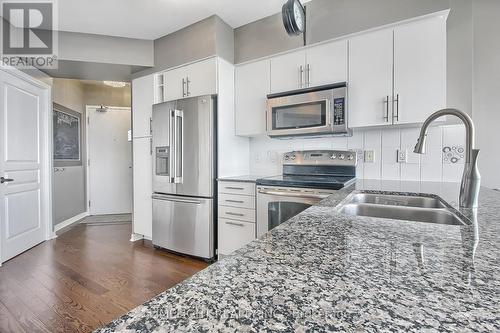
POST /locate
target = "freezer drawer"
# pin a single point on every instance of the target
(184, 225)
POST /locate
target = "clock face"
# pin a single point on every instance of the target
(298, 14)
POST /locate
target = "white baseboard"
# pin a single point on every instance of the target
(137, 237)
(70, 221)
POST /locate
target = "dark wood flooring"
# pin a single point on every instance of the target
(85, 278)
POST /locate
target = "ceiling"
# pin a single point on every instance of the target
(151, 19)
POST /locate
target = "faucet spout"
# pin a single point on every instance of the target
(471, 180)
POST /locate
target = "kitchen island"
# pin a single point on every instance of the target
(325, 271)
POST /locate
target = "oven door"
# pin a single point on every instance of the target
(276, 205)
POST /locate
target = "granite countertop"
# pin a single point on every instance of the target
(242, 179)
(324, 271)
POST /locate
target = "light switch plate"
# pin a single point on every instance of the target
(369, 156)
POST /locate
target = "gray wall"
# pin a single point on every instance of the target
(486, 87)
(203, 39)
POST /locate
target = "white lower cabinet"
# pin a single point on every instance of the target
(234, 234)
(236, 216)
(143, 187)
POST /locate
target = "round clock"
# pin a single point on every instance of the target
(294, 17)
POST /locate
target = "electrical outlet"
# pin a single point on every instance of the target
(402, 156)
(369, 156)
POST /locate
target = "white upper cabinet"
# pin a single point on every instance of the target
(142, 105)
(327, 64)
(288, 72)
(370, 79)
(398, 75)
(252, 85)
(201, 78)
(419, 70)
(197, 79)
(174, 85)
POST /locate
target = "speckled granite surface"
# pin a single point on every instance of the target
(323, 271)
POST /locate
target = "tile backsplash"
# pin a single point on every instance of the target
(443, 160)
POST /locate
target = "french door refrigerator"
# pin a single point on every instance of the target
(184, 175)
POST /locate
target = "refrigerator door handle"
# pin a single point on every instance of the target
(178, 147)
(176, 199)
(171, 164)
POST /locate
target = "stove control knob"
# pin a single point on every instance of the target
(350, 157)
(342, 156)
(287, 157)
(333, 156)
(293, 157)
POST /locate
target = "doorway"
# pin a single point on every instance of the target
(109, 161)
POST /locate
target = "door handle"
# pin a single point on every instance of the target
(236, 224)
(187, 85)
(183, 87)
(5, 180)
(294, 195)
(301, 76)
(308, 69)
(235, 214)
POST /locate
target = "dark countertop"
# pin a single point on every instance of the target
(324, 271)
(242, 179)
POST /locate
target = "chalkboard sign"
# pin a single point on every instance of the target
(67, 139)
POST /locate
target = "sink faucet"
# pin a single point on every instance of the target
(471, 179)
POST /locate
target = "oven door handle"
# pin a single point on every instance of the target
(294, 195)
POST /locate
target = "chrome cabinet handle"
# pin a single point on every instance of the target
(5, 180)
(151, 146)
(150, 125)
(308, 69)
(183, 87)
(234, 188)
(386, 102)
(236, 224)
(234, 201)
(187, 85)
(395, 116)
(235, 214)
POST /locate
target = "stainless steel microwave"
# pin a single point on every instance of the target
(313, 111)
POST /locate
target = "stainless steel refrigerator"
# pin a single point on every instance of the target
(184, 174)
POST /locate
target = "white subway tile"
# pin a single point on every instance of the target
(410, 172)
(391, 171)
(391, 138)
(373, 139)
(452, 172)
(356, 140)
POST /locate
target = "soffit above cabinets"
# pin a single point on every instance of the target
(151, 19)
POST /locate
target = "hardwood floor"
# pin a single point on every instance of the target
(85, 278)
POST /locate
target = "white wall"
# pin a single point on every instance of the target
(266, 154)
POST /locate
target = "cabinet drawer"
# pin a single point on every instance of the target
(242, 214)
(233, 235)
(241, 201)
(237, 188)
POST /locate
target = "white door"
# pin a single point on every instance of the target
(288, 72)
(23, 113)
(370, 79)
(202, 78)
(110, 155)
(327, 64)
(143, 188)
(252, 85)
(142, 105)
(419, 70)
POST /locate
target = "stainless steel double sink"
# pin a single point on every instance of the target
(400, 207)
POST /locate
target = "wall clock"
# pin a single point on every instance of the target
(294, 17)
